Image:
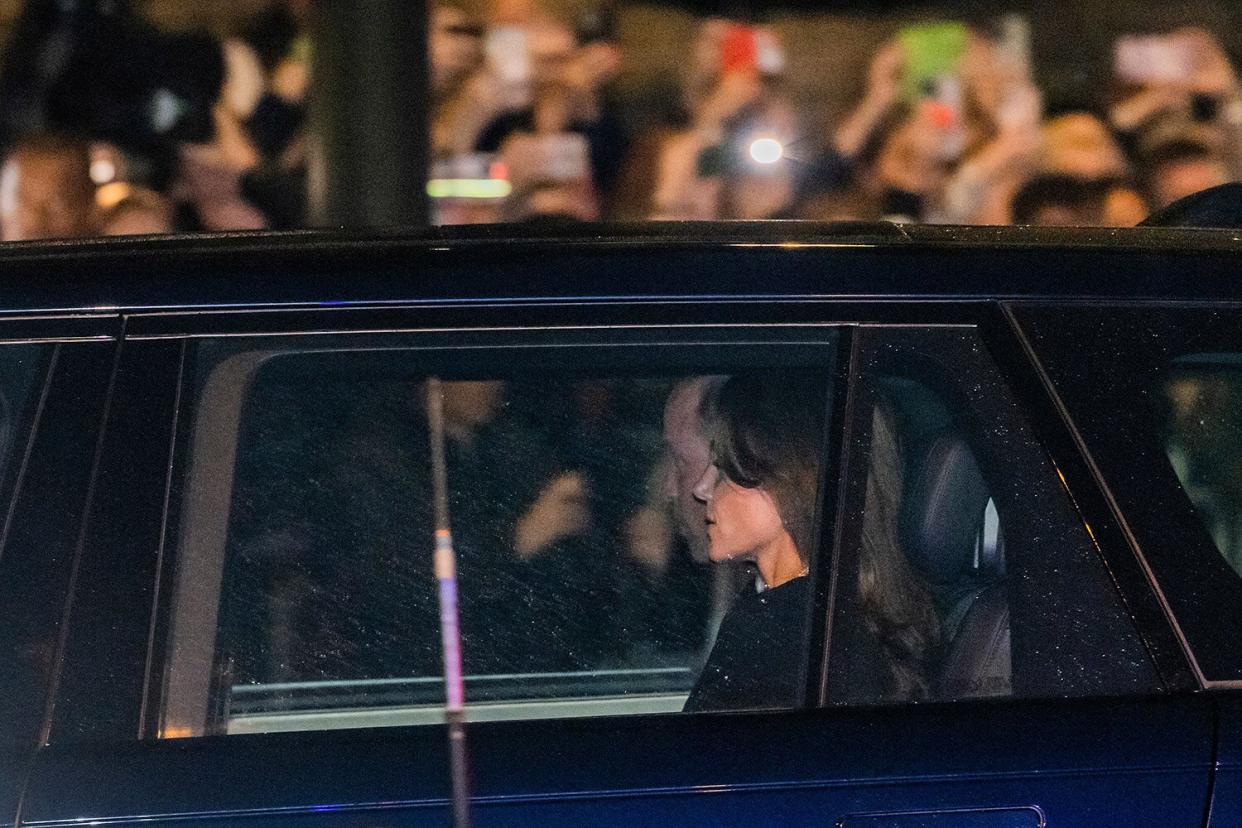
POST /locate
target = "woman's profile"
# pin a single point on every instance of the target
(760, 494)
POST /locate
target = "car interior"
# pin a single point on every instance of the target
(953, 538)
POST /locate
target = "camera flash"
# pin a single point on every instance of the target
(766, 150)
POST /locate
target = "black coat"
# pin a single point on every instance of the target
(757, 659)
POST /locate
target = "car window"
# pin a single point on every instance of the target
(607, 563)
(20, 367)
(1154, 394)
(306, 597)
(1203, 438)
(966, 571)
(30, 645)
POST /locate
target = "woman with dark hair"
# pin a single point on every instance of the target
(896, 605)
(760, 493)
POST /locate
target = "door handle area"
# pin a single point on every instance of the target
(1028, 816)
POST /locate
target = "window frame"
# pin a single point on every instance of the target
(125, 715)
(450, 354)
(43, 495)
(27, 581)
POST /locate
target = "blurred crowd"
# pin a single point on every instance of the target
(112, 127)
(951, 128)
(527, 124)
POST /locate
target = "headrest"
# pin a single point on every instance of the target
(943, 513)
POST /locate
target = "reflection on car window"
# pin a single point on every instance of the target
(600, 535)
(626, 543)
(1153, 392)
(930, 618)
(1204, 443)
(19, 366)
(29, 659)
(548, 483)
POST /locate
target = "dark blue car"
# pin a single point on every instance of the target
(1021, 595)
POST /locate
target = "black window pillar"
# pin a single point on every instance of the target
(371, 114)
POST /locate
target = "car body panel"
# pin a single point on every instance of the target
(1226, 806)
(1138, 763)
(996, 763)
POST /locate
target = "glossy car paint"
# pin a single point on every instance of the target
(1226, 807)
(1132, 763)
(1138, 762)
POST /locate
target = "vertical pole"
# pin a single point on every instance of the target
(370, 114)
(450, 629)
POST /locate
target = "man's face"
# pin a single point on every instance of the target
(1175, 180)
(40, 198)
(455, 45)
(691, 455)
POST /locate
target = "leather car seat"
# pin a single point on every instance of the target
(952, 536)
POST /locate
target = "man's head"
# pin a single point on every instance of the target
(46, 190)
(1080, 145)
(1059, 201)
(687, 414)
(455, 45)
(1068, 201)
(1181, 168)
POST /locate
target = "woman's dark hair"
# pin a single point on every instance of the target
(896, 603)
(767, 434)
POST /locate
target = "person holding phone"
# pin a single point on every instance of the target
(897, 146)
(1182, 111)
(733, 159)
(946, 128)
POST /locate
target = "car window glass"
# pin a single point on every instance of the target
(1153, 392)
(31, 647)
(965, 571)
(19, 368)
(1204, 442)
(306, 596)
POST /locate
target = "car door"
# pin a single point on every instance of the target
(54, 376)
(161, 714)
(1159, 400)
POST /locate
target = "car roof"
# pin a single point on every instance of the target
(642, 262)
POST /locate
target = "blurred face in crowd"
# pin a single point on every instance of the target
(759, 194)
(45, 193)
(703, 67)
(1124, 207)
(691, 455)
(137, 220)
(552, 47)
(1080, 145)
(1176, 179)
(913, 158)
(512, 12)
(1064, 215)
(455, 47)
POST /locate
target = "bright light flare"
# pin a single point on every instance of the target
(485, 188)
(766, 150)
(103, 171)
